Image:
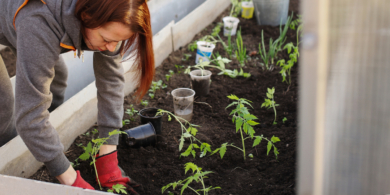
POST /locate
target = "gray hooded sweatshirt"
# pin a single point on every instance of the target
(40, 30)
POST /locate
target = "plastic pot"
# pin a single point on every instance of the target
(200, 81)
(183, 102)
(230, 25)
(143, 135)
(271, 12)
(149, 115)
(247, 10)
(204, 51)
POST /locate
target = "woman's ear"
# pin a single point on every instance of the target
(85, 16)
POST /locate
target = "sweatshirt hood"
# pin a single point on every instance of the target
(64, 13)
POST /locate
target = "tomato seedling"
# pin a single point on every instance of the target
(188, 133)
(198, 176)
(270, 102)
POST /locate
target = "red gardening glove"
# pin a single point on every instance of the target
(110, 174)
(81, 183)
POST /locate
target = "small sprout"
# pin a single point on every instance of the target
(125, 122)
(250, 155)
(284, 119)
(118, 188)
(270, 102)
(151, 95)
(186, 57)
(144, 103)
(179, 67)
(168, 76)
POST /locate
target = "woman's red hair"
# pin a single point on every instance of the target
(133, 13)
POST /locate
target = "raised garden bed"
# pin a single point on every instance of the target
(155, 167)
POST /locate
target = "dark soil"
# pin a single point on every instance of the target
(155, 167)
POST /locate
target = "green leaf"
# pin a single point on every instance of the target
(233, 97)
(269, 91)
(88, 149)
(234, 103)
(193, 153)
(192, 130)
(187, 152)
(84, 156)
(269, 96)
(181, 143)
(276, 152)
(269, 146)
(195, 145)
(189, 166)
(187, 135)
(257, 141)
(274, 139)
(249, 117)
(238, 123)
(252, 123)
(222, 150)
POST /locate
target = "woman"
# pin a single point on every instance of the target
(39, 31)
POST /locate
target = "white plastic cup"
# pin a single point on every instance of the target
(183, 102)
(230, 25)
(204, 49)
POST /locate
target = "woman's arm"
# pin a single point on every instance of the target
(37, 52)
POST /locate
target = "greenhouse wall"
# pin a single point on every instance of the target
(345, 88)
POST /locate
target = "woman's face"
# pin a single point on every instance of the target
(107, 37)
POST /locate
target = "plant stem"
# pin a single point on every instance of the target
(201, 180)
(243, 143)
(273, 105)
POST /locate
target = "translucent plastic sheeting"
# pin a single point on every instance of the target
(354, 156)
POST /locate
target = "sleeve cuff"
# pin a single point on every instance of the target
(58, 165)
(103, 133)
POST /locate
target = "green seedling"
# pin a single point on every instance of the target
(186, 57)
(217, 29)
(241, 50)
(75, 163)
(271, 143)
(236, 8)
(92, 149)
(188, 133)
(208, 38)
(125, 122)
(270, 102)
(268, 58)
(286, 67)
(144, 103)
(198, 176)
(284, 119)
(178, 68)
(282, 37)
(168, 76)
(155, 86)
(118, 188)
(250, 155)
(244, 123)
(221, 66)
(131, 112)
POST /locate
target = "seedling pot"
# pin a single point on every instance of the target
(143, 135)
(230, 25)
(183, 102)
(200, 81)
(247, 10)
(149, 115)
(204, 51)
(271, 12)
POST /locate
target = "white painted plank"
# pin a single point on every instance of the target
(14, 185)
(185, 30)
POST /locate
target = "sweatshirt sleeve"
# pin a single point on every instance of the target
(37, 52)
(110, 85)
